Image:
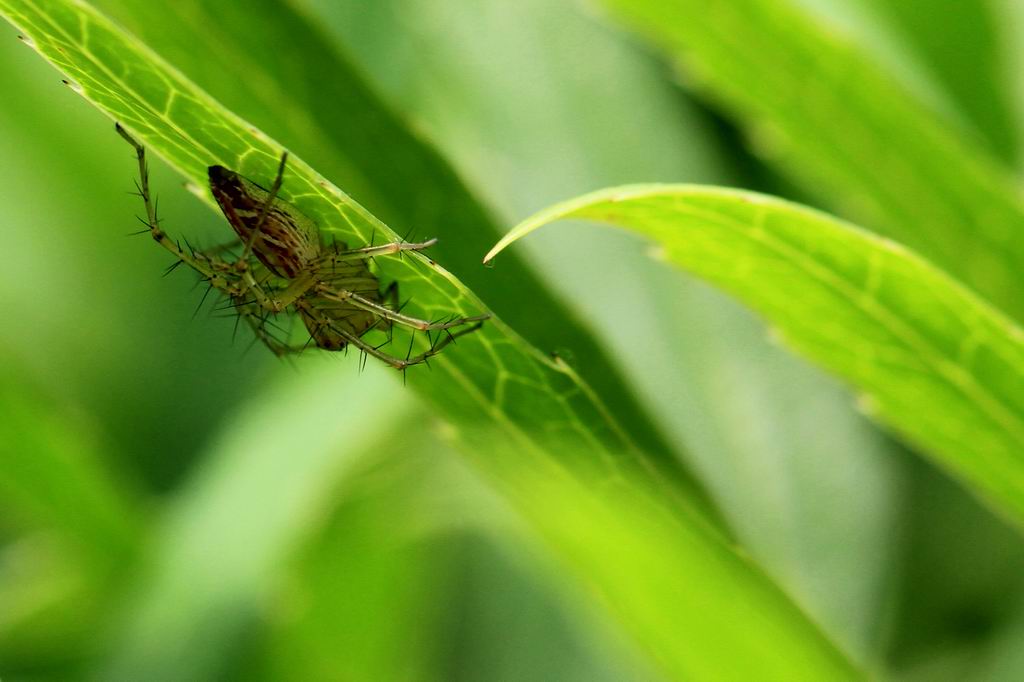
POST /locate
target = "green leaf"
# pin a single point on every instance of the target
(341, 128)
(822, 107)
(80, 525)
(789, 485)
(53, 477)
(699, 609)
(365, 557)
(809, 486)
(492, 377)
(929, 358)
(497, 391)
(966, 49)
(418, 538)
(229, 531)
(688, 599)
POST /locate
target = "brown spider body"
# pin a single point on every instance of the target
(331, 289)
(288, 242)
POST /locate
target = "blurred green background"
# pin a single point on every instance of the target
(175, 506)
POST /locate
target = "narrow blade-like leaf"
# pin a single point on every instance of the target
(341, 128)
(930, 358)
(496, 391)
(824, 108)
(490, 377)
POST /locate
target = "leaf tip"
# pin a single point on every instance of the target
(489, 258)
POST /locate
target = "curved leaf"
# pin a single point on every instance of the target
(341, 128)
(964, 46)
(788, 485)
(498, 393)
(929, 358)
(822, 107)
(492, 376)
(210, 573)
(700, 610)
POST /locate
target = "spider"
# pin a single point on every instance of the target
(331, 289)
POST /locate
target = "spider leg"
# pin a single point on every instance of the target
(243, 260)
(390, 295)
(259, 324)
(365, 284)
(283, 298)
(382, 250)
(436, 347)
(200, 263)
(392, 315)
(370, 349)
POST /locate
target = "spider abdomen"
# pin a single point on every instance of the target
(287, 242)
(328, 319)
